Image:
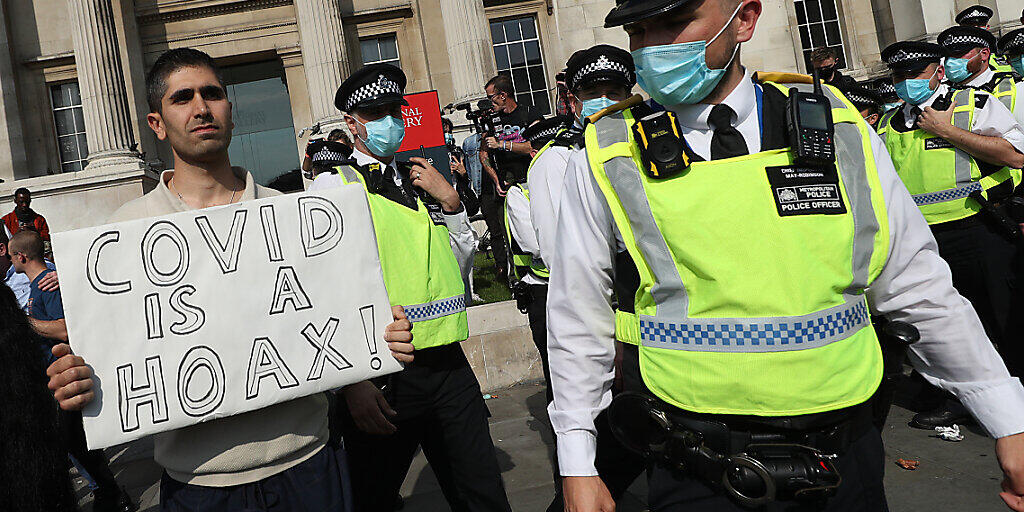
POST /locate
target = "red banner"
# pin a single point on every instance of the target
(422, 122)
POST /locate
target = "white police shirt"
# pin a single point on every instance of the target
(991, 120)
(460, 234)
(986, 77)
(915, 286)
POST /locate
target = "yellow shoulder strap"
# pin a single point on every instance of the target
(630, 102)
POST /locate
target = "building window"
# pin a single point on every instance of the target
(381, 49)
(818, 23)
(70, 124)
(517, 54)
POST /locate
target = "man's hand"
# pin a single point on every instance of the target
(586, 494)
(936, 122)
(1010, 452)
(457, 166)
(426, 177)
(398, 334)
(49, 282)
(70, 379)
(492, 143)
(368, 408)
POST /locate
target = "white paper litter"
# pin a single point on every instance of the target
(950, 433)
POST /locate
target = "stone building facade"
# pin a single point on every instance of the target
(72, 94)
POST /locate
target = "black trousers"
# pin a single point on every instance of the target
(441, 410)
(986, 267)
(862, 468)
(493, 208)
(94, 461)
(617, 466)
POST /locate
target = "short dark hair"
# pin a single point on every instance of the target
(501, 83)
(22, 191)
(27, 242)
(447, 123)
(823, 53)
(338, 134)
(169, 62)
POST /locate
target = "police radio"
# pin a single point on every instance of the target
(810, 126)
(662, 147)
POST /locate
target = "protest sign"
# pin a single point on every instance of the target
(423, 129)
(203, 314)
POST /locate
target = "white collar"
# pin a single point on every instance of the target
(939, 91)
(742, 100)
(366, 159)
(983, 79)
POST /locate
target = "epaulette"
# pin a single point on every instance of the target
(373, 175)
(630, 102)
(781, 77)
(1002, 75)
(570, 137)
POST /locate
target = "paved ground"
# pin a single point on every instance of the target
(952, 476)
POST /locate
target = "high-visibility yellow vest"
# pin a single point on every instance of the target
(939, 176)
(741, 309)
(996, 63)
(1005, 90)
(420, 270)
(522, 261)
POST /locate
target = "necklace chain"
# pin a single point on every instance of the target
(170, 183)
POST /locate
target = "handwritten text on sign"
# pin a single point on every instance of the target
(204, 314)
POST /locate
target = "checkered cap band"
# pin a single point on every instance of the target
(964, 39)
(436, 309)
(857, 98)
(947, 195)
(603, 63)
(326, 155)
(886, 88)
(381, 87)
(975, 14)
(756, 335)
(1014, 44)
(545, 133)
(901, 56)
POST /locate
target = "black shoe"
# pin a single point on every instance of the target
(944, 416)
(113, 502)
(399, 502)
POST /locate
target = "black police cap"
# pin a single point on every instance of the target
(371, 86)
(629, 11)
(912, 55)
(885, 89)
(1012, 43)
(961, 39)
(541, 132)
(974, 15)
(861, 97)
(603, 62)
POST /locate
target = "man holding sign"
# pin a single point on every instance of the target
(422, 231)
(275, 455)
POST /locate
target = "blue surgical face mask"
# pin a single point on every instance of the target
(890, 106)
(595, 105)
(956, 70)
(675, 74)
(1017, 63)
(915, 90)
(384, 136)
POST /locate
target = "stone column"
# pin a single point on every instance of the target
(324, 55)
(101, 81)
(469, 48)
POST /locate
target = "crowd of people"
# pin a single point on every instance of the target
(711, 295)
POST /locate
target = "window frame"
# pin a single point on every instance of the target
(800, 7)
(377, 37)
(56, 131)
(533, 90)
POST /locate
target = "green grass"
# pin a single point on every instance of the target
(486, 282)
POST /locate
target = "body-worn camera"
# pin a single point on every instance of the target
(662, 147)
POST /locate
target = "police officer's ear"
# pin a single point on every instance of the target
(872, 120)
(746, 18)
(353, 126)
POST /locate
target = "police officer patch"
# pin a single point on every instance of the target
(806, 190)
(937, 143)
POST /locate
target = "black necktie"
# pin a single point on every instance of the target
(727, 141)
(396, 192)
(915, 112)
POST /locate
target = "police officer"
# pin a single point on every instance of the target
(887, 93)
(966, 64)
(979, 16)
(867, 101)
(1012, 46)
(425, 240)
(947, 145)
(326, 153)
(722, 268)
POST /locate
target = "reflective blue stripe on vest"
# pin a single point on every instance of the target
(756, 334)
(947, 195)
(436, 309)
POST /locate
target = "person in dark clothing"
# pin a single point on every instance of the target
(33, 459)
(825, 60)
(46, 312)
(511, 155)
(460, 176)
(326, 153)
